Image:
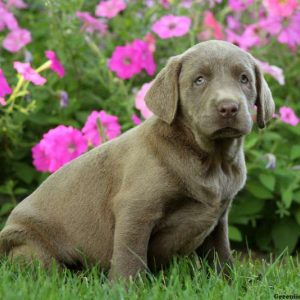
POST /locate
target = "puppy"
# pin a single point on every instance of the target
(160, 189)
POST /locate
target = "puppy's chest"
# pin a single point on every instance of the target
(218, 185)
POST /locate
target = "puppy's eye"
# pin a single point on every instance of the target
(200, 80)
(244, 79)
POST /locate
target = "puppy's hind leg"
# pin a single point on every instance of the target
(18, 246)
(29, 253)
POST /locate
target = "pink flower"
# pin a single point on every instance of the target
(110, 8)
(140, 102)
(101, 123)
(58, 146)
(56, 65)
(16, 40)
(240, 5)
(186, 3)
(287, 115)
(165, 3)
(4, 88)
(130, 59)
(92, 24)
(212, 3)
(247, 39)
(271, 24)
(17, 4)
(150, 40)
(212, 27)
(233, 23)
(41, 160)
(290, 34)
(2, 101)
(286, 29)
(28, 73)
(136, 120)
(171, 26)
(124, 62)
(146, 60)
(7, 19)
(281, 8)
(274, 71)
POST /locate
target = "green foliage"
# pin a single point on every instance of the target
(266, 213)
(267, 210)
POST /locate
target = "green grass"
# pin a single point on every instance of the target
(185, 279)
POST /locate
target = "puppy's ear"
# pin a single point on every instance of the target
(163, 96)
(264, 100)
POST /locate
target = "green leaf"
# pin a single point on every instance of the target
(258, 190)
(264, 240)
(24, 172)
(234, 234)
(250, 142)
(268, 181)
(296, 197)
(20, 191)
(246, 209)
(294, 129)
(285, 234)
(287, 197)
(7, 188)
(6, 208)
(295, 152)
(297, 215)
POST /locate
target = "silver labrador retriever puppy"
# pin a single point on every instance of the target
(160, 189)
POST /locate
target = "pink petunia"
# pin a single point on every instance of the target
(287, 115)
(146, 60)
(140, 102)
(150, 40)
(171, 26)
(7, 19)
(212, 3)
(211, 27)
(99, 124)
(247, 39)
(165, 3)
(287, 30)
(233, 23)
(17, 4)
(240, 5)
(186, 3)
(4, 88)
(92, 24)
(56, 65)
(290, 34)
(16, 40)
(41, 160)
(130, 59)
(136, 120)
(2, 101)
(271, 24)
(110, 8)
(28, 73)
(58, 146)
(274, 71)
(281, 8)
(124, 62)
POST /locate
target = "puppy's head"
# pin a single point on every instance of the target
(212, 87)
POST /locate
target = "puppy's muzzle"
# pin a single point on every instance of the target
(228, 109)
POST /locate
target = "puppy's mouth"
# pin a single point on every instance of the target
(227, 132)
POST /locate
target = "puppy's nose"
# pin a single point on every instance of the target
(228, 109)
